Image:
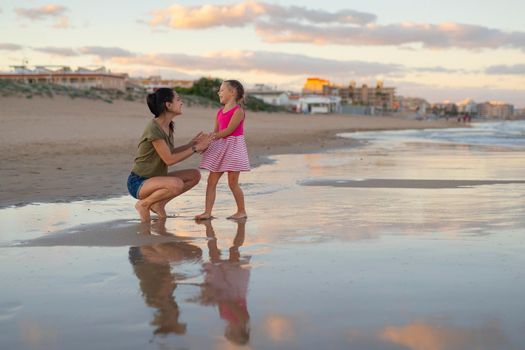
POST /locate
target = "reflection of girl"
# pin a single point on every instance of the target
(151, 264)
(226, 284)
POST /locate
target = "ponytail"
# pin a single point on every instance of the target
(157, 100)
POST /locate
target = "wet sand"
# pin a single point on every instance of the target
(373, 267)
(56, 150)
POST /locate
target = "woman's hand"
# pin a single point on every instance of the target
(203, 142)
(194, 140)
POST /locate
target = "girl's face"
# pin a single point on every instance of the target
(175, 105)
(226, 93)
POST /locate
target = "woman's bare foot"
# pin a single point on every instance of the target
(203, 216)
(238, 216)
(158, 209)
(143, 212)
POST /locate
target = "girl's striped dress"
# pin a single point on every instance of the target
(228, 153)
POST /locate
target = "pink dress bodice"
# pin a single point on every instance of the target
(224, 121)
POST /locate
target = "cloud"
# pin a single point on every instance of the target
(517, 69)
(50, 11)
(262, 62)
(294, 24)
(10, 47)
(41, 13)
(435, 93)
(319, 16)
(440, 36)
(440, 69)
(247, 12)
(62, 23)
(105, 52)
(59, 51)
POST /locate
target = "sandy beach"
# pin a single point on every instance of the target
(61, 149)
(405, 241)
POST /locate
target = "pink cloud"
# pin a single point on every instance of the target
(39, 13)
(247, 12)
(444, 35)
(295, 24)
(50, 11)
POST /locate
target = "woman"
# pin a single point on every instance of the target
(149, 181)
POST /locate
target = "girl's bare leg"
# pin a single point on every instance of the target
(211, 188)
(233, 182)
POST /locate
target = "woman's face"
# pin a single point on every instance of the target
(226, 93)
(176, 105)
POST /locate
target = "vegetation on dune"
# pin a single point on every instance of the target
(202, 93)
(29, 90)
(206, 89)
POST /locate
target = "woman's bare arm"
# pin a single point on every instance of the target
(169, 158)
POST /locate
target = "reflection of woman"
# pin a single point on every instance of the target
(151, 264)
(226, 284)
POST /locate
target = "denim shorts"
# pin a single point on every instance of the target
(135, 182)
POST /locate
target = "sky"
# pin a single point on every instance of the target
(437, 50)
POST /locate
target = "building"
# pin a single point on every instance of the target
(315, 86)
(412, 104)
(270, 96)
(519, 113)
(467, 106)
(496, 109)
(82, 78)
(156, 82)
(380, 97)
(315, 104)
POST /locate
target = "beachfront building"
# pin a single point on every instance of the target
(82, 78)
(314, 86)
(153, 83)
(467, 106)
(412, 104)
(381, 98)
(519, 113)
(496, 109)
(315, 104)
(269, 95)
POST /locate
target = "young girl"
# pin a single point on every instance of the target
(227, 153)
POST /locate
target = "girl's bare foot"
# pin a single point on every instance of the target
(203, 216)
(143, 212)
(238, 216)
(159, 210)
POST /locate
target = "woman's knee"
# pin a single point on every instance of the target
(176, 185)
(196, 175)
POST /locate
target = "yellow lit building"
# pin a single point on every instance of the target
(315, 86)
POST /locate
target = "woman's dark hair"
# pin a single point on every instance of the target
(157, 101)
(239, 90)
